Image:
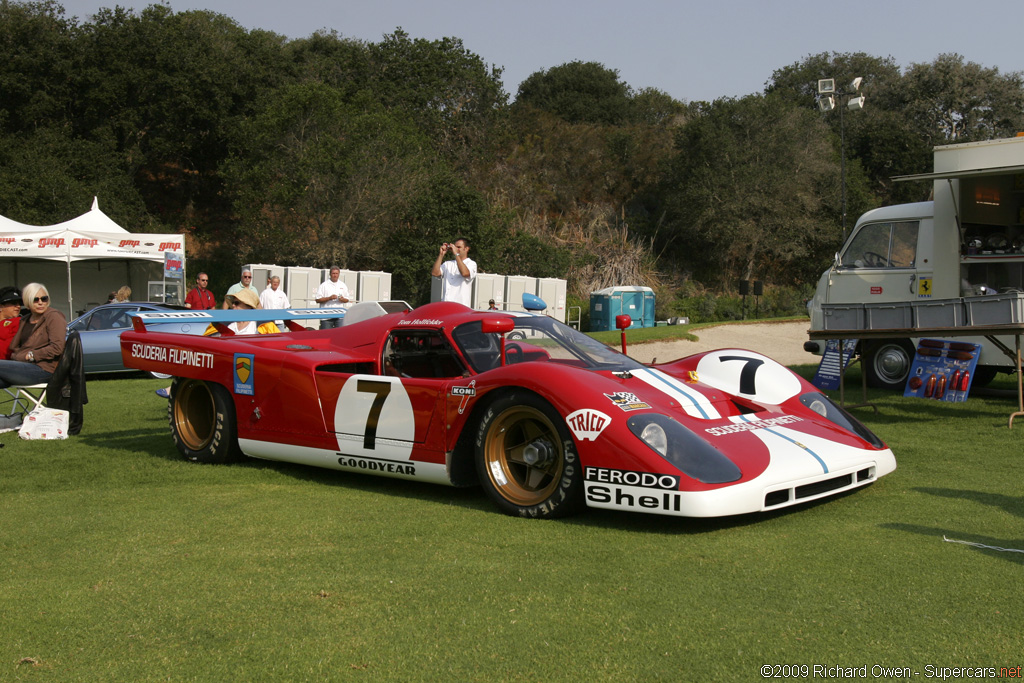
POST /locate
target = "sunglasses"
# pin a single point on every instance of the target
(41, 299)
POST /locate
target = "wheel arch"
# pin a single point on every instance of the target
(462, 467)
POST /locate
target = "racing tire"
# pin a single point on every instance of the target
(202, 418)
(887, 363)
(526, 459)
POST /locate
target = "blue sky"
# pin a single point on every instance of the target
(691, 50)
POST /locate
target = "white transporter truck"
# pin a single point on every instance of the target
(967, 242)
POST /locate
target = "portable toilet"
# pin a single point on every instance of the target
(553, 290)
(515, 287)
(262, 272)
(487, 286)
(606, 304)
(300, 283)
(374, 286)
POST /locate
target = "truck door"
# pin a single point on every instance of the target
(880, 264)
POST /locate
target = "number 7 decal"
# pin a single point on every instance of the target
(747, 384)
(381, 391)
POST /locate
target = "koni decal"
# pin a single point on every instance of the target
(163, 354)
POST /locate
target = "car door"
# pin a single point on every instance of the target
(880, 264)
(101, 338)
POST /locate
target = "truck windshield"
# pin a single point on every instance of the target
(882, 245)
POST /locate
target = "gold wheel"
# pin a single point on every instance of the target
(194, 414)
(523, 456)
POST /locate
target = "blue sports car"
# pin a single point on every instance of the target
(101, 328)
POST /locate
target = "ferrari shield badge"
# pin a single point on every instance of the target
(244, 373)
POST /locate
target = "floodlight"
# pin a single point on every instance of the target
(826, 86)
(855, 85)
(856, 103)
(827, 103)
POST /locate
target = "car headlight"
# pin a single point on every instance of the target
(823, 405)
(686, 451)
(654, 436)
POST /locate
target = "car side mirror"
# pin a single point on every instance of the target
(498, 325)
(622, 322)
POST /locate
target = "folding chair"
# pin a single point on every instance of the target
(24, 398)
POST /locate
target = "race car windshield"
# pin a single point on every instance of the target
(539, 338)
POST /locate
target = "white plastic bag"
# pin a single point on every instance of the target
(45, 423)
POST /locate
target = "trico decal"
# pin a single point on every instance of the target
(466, 393)
(634, 498)
(128, 243)
(170, 246)
(649, 480)
(245, 374)
(376, 465)
(587, 424)
(195, 359)
(751, 426)
(83, 242)
(51, 242)
(626, 401)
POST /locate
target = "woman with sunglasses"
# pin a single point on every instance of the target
(36, 348)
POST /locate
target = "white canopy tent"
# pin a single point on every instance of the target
(84, 259)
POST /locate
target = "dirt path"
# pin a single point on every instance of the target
(783, 342)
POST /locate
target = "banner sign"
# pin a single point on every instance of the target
(174, 264)
(828, 375)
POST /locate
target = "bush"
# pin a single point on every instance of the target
(700, 306)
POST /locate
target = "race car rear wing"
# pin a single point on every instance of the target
(222, 318)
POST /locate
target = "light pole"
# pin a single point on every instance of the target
(828, 98)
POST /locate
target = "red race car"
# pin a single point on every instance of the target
(545, 418)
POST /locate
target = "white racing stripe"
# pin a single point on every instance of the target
(694, 403)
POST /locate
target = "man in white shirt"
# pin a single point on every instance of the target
(332, 293)
(273, 296)
(458, 274)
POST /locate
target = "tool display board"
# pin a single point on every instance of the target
(942, 370)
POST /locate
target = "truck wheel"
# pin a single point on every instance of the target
(887, 363)
(202, 418)
(526, 459)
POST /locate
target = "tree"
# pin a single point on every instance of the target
(953, 101)
(744, 192)
(450, 92)
(36, 65)
(317, 179)
(578, 92)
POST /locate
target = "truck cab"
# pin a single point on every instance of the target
(967, 242)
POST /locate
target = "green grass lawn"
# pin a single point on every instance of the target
(119, 561)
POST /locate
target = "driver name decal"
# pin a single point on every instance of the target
(587, 424)
(195, 359)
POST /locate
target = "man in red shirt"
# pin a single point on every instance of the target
(199, 297)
